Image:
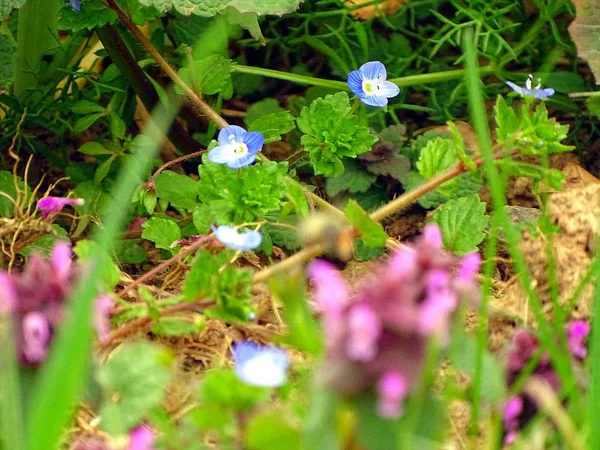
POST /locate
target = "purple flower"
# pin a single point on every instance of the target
(36, 337)
(370, 85)
(237, 147)
(260, 365)
(241, 241)
(512, 410)
(529, 91)
(141, 438)
(76, 5)
(577, 333)
(102, 307)
(376, 334)
(50, 205)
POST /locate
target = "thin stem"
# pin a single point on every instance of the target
(166, 67)
(168, 164)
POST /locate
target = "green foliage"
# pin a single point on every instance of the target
(271, 430)
(46, 243)
(7, 186)
(163, 232)
(131, 391)
(94, 13)
(6, 6)
(208, 75)
(332, 133)
(7, 60)
(179, 190)
(354, 179)
(233, 197)
(208, 8)
(371, 232)
(109, 273)
(212, 278)
(463, 222)
(128, 251)
(533, 133)
(262, 108)
(273, 125)
(553, 177)
(222, 389)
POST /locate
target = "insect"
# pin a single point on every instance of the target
(327, 230)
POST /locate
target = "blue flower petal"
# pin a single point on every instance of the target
(514, 87)
(254, 141)
(225, 135)
(237, 162)
(545, 93)
(241, 241)
(355, 80)
(260, 365)
(388, 89)
(75, 5)
(373, 70)
(221, 154)
(375, 100)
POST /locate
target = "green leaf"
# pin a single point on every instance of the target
(320, 427)
(163, 232)
(354, 179)
(179, 190)
(128, 251)
(330, 134)
(6, 6)
(131, 391)
(248, 21)
(202, 218)
(205, 8)
(8, 52)
(85, 122)
(7, 186)
(264, 7)
(438, 155)
(273, 126)
(46, 243)
(507, 122)
(117, 125)
(94, 148)
(109, 272)
(172, 326)
(372, 232)
(374, 432)
(585, 32)
(271, 430)
(364, 253)
(395, 166)
(85, 107)
(103, 169)
(462, 222)
(262, 108)
(233, 197)
(221, 388)
(296, 196)
(207, 76)
(93, 14)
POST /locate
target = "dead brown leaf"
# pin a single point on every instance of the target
(386, 7)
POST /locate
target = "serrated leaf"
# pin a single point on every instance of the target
(264, 7)
(462, 222)
(6, 6)
(395, 166)
(132, 390)
(93, 14)
(371, 232)
(163, 232)
(438, 155)
(273, 126)
(205, 8)
(207, 76)
(248, 21)
(202, 218)
(507, 121)
(296, 196)
(179, 190)
(331, 134)
(262, 108)
(354, 179)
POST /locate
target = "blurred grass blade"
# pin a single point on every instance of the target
(594, 358)
(11, 412)
(62, 378)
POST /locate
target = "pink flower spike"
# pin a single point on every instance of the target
(512, 411)
(141, 438)
(469, 267)
(50, 205)
(364, 328)
(330, 293)
(433, 235)
(61, 259)
(577, 333)
(435, 314)
(438, 281)
(392, 388)
(8, 295)
(404, 263)
(102, 307)
(36, 336)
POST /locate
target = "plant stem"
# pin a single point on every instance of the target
(36, 35)
(168, 164)
(293, 77)
(166, 67)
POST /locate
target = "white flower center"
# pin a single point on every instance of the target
(240, 149)
(529, 82)
(370, 86)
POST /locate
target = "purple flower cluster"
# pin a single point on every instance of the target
(376, 336)
(519, 409)
(35, 298)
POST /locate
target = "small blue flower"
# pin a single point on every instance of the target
(260, 365)
(529, 91)
(370, 85)
(75, 4)
(237, 147)
(232, 238)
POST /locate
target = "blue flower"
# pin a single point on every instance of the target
(75, 4)
(237, 147)
(232, 238)
(369, 84)
(260, 365)
(529, 91)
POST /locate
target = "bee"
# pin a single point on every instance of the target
(332, 233)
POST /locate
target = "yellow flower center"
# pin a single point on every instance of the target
(240, 149)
